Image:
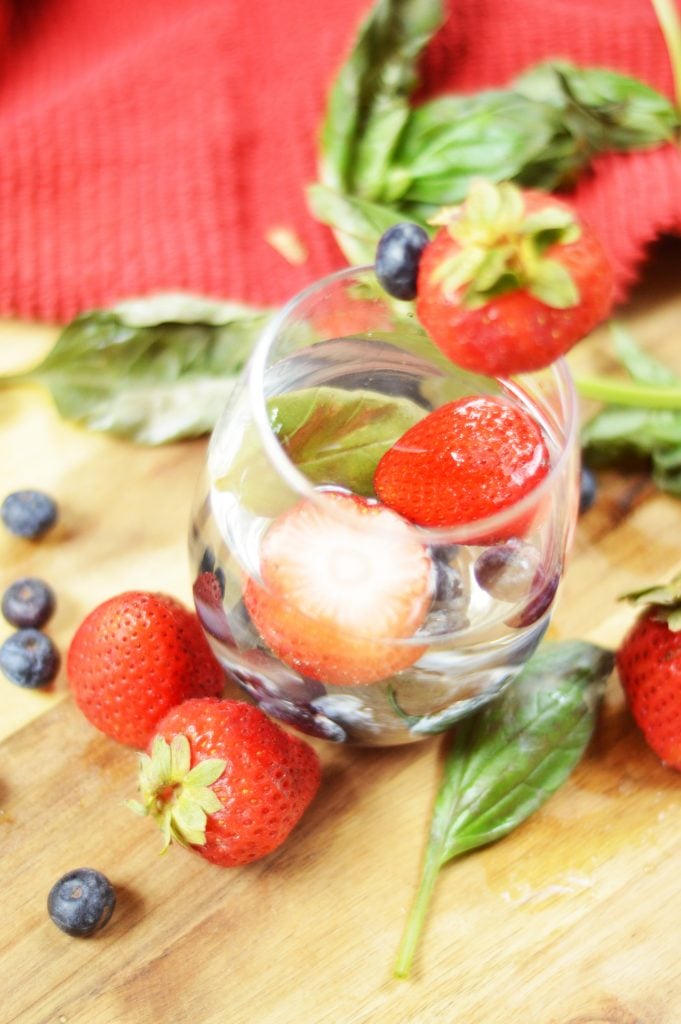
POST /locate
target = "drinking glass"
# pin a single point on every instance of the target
(334, 379)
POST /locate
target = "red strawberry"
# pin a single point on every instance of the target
(225, 780)
(649, 666)
(344, 585)
(511, 281)
(135, 657)
(466, 460)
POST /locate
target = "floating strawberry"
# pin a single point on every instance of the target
(511, 281)
(225, 780)
(135, 657)
(649, 666)
(344, 585)
(466, 460)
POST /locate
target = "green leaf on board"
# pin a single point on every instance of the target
(640, 423)
(152, 370)
(333, 436)
(507, 760)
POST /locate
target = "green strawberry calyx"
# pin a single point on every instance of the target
(502, 248)
(664, 602)
(178, 797)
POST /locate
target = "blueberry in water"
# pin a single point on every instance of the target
(303, 718)
(28, 602)
(450, 602)
(28, 513)
(507, 572)
(207, 561)
(588, 487)
(81, 902)
(543, 592)
(397, 259)
(29, 658)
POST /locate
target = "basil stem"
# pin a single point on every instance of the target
(506, 761)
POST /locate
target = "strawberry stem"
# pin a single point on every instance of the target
(629, 393)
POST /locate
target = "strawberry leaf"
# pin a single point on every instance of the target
(553, 285)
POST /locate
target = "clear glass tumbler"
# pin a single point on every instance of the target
(336, 377)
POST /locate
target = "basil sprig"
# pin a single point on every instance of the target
(506, 761)
(383, 160)
(640, 422)
(151, 370)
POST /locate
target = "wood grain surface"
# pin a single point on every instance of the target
(572, 919)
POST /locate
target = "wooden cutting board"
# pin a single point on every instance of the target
(570, 920)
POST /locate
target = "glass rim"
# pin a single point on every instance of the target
(301, 485)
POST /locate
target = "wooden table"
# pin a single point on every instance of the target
(573, 919)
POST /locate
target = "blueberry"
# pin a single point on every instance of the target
(81, 902)
(28, 513)
(28, 602)
(304, 718)
(448, 582)
(397, 259)
(507, 572)
(588, 487)
(450, 603)
(543, 592)
(29, 658)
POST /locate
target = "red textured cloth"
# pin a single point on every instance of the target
(154, 145)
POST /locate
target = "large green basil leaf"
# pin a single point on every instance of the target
(383, 160)
(507, 760)
(333, 436)
(152, 370)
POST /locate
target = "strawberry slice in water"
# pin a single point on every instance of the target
(345, 585)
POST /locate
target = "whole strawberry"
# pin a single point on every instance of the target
(135, 657)
(649, 666)
(225, 780)
(467, 460)
(511, 281)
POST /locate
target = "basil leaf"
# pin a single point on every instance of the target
(333, 436)
(382, 161)
(610, 110)
(642, 366)
(368, 103)
(450, 141)
(637, 436)
(507, 760)
(362, 222)
(152, 370)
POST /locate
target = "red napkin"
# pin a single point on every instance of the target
(156, 145)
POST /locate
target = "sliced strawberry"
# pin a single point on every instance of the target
(345, 584)
(465, 461)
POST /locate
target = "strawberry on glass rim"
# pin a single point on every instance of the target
(511, 280)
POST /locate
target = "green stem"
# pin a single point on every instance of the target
(670, 24)
(629, 393)
(417, 915)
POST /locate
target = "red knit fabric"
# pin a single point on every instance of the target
(154, 145)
